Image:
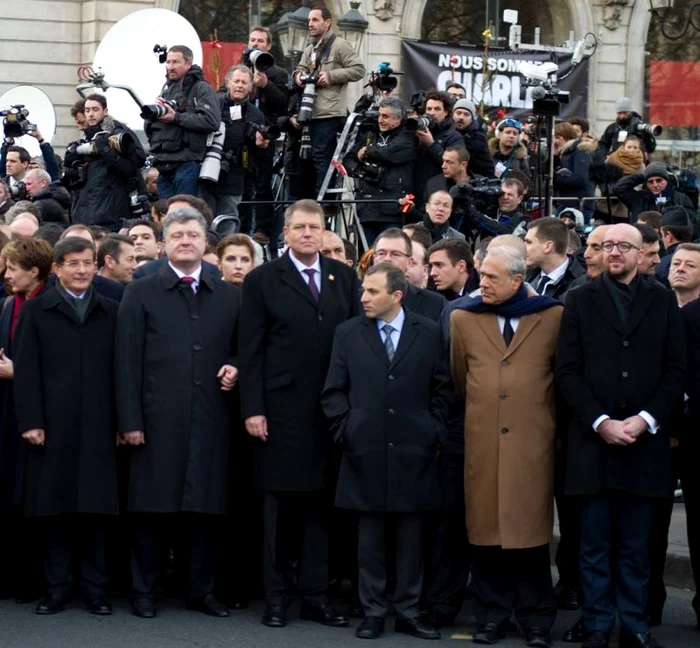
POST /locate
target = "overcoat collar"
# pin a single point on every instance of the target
(409, 332)
(604, 302)
(290, 275)
(52, 299)
(169, 279)
(489, 325)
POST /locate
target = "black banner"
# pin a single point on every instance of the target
(432, 65)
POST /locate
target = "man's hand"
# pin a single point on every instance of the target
(35, 437)
(295, 122)
(297, 78)
(361, 153)
(228, 375)
(36, 134)
(635, 426)
(260, 141)
(257, 426)
(425, 137)
(260, 79)
(135, 437)
(170, 113)
(323, 80)
(613, 432)
(6, 366)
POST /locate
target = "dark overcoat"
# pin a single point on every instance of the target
(604, 367)
(425, 303)
(169, 352)
(64, 384)
(391, 416)
(286, 340)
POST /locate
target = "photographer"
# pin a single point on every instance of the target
(98, 173)
(507, 151)
(383, 164)
(47, 153)
(15, 163)
(455, 163)
(626, 123)
(467, 125)
(332, 63)
(50, 198)
(238, 155)
(178, 137)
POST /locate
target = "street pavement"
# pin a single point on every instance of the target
(176, 627)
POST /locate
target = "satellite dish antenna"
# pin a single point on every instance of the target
(126, 57)
(41, 113)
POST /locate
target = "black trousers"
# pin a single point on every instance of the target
(21, 570)
(295, 521)
(569, 515)
(406, 530)
(507, 580)
(447, 550)
(71, 538)
(149, 537)
(690, 480)
(324, 134)
(264, 214)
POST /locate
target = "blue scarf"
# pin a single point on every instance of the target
(518, 305)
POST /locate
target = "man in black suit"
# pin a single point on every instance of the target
(387, 392)
(621, 368)
(177, 335)
(394, 246)
(291, 308)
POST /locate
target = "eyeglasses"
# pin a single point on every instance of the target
(655, 181)
(393, 254)
(623, 246)
(74, 265)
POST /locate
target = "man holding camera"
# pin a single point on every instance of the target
(50, 198)
(101, 169)
(330, 63)
(179, 123)
(242, 123)
(383, 164)
(467, 124)
(627, 122)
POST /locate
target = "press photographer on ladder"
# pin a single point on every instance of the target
(100, 169)
(382, 162)
(327, 65)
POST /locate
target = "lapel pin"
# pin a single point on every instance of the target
(331, 277)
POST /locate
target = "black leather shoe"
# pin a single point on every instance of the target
(416, 628)
(324, 614)
(371, 628)
(642, 640)
(144, 607)
(488, 633)
(576, 633)
(274, 616)
(51, 604)
(596, 639)
(98, 604)
(568, 599)
(208, 604)
(539, 637)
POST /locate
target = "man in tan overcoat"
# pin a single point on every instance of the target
(502, 352)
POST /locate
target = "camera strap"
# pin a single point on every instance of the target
(317, 60)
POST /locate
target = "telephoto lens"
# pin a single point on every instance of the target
(307, 103)
(153, 111)
(211, 165)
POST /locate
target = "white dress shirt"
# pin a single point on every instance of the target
(397, 324)
(554, 276)
(514, 321)
(316, 265)
(195, 275)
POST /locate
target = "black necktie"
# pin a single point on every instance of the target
(542, 283)
(187, 287)
(508, 332)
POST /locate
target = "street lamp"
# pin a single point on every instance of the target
(299, 27)
(353, 26)
(283, 32)
(661, 12)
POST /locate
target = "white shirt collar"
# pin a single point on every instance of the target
(396, 323)
(556, 274)
(316, 265)
(75, 295)
(195, 275)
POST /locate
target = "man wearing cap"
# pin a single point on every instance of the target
(676, 228)
(507, 152)
(657, 195)
(625, 124)
(467, 124)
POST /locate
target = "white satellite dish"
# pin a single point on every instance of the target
(41, 113)
(125, 56)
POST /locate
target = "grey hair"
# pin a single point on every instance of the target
(18, 208)
(184, 215)
(395, 105)
(514, 258)
(40, 174)
(237, 68)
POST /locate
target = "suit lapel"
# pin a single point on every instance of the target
(371, 334)
(604, 301)
(409, 332)
(641, 305)
(525, 326)
(290, 275)
(327, 284)
(489, 325)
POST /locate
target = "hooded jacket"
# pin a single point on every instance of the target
(515, 160)
(53, 204)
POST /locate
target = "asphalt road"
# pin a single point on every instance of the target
(176, 627)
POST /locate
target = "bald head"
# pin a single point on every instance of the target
(624, 232)
(24, 224)
(508, 240)
(593, 256)
(623, 258)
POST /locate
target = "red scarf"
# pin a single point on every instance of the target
(17, 302)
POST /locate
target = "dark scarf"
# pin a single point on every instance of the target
(518, 305)
(436, 231)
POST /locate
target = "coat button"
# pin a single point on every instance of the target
(391, 411)
(503, 396)
(625, 374)
(391, 377)
(625, 343)
(320, 317)
(504, 363)
(390, 445)
(504, 430)
(196, 347)
(197, 383)
(194, 316)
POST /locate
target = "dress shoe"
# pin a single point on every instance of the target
(324, 614)
(274, 616)
(596, 639)
(98, 604)
(416, 628)
(51, 604)
(208, 604)
(144, 607)
(371, 628)
(568, 599)
(641, 640)
(576, 633)
(539, 637)
(488, 633)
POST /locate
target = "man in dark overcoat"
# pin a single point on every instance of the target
(387, 391)
(64, 400)
(176, 343)
(290, 310)
(621, 368)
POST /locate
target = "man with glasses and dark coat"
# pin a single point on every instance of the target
(621, 367)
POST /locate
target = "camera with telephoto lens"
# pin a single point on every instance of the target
(369, 172)
(257, 59)
(211, 165)
(18, 191)
(122, 143)
(422, 123)
(15, 122)
(308, 99)
(646, 129)
(140, 206)
(270, 132)
(152, 112)
(305, 144)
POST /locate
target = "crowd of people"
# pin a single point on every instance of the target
(185, 412)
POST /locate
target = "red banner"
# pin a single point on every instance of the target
(219, 57)
(674, 93)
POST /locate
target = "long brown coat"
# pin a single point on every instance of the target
(510, 426)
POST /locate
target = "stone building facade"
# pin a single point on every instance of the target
(45, 41)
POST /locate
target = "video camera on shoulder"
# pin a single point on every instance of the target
(16, 122)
